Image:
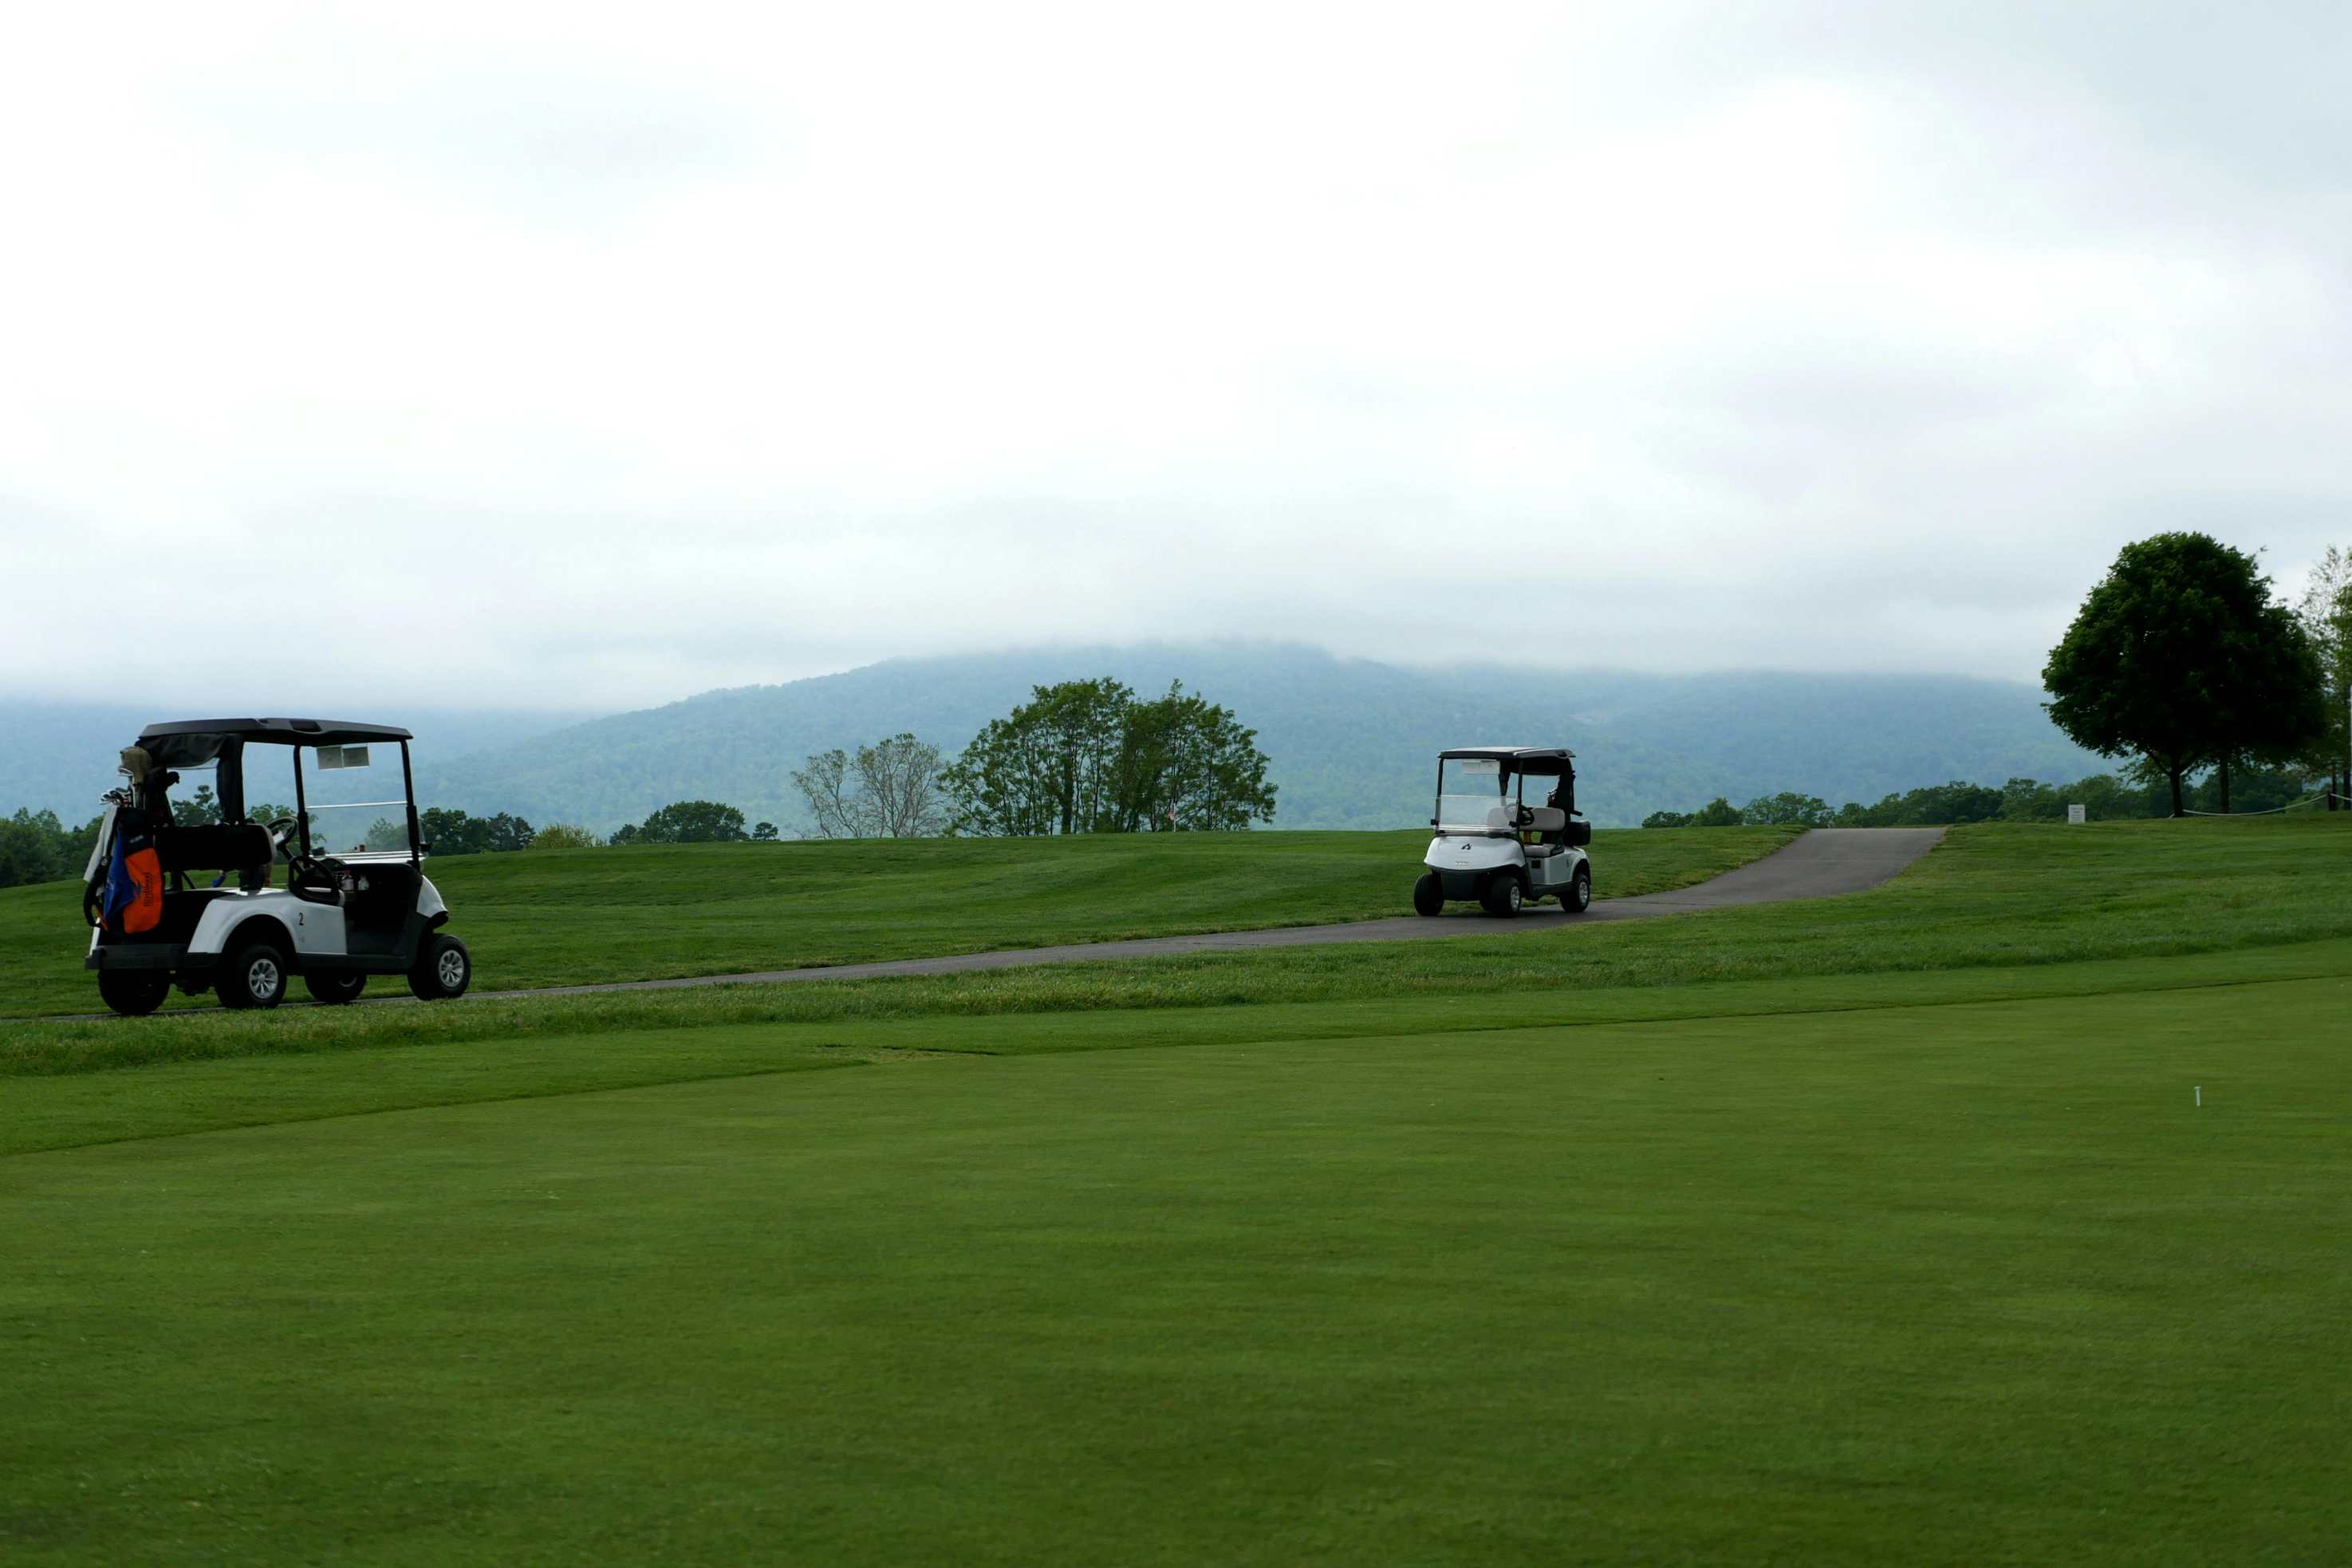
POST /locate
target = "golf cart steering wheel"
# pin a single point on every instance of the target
(281, 831)
(315, 878)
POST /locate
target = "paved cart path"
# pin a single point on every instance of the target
(1817, 865)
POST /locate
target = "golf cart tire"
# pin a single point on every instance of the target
(442, 970)
(334, 990)
(1579, 897)
(245, 982)
(133, 992)
(1429, 896)
(1502, 895)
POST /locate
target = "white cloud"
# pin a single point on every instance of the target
(601, 354)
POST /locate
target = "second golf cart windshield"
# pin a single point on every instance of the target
(1470, 797)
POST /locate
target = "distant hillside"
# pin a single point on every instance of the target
(1842, 737)
(57, 756)
(1352, 741)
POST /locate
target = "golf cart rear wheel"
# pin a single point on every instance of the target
(255, 976)
(1428, 896)
(1579, 897)
(442, 970)
(133, 992)
(1502, 895)
(334, 990)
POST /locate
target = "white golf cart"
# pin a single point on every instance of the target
(341, 915)
(1487, 843)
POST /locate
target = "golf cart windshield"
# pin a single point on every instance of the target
(1470, 797)
(358, 802)
(353, 797)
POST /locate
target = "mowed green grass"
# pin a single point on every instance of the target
(1991, 897)
(1954, 1283)
(1876, 1228)
(575, 917)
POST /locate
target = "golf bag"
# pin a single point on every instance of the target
(135, 882)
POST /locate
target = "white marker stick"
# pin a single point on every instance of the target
(2200, 1096)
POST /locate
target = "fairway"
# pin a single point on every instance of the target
(1874, 1228)
(1945, 1283)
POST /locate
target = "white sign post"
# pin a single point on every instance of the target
(2076, 816)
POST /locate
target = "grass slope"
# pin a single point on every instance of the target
(83, 1097)
(579, 916)
(1994, 896)
(1952, 1283)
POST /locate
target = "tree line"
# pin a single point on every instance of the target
(36, 847)
(2105, 797)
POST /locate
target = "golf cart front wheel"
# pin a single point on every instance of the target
(442, 970)
(1428, 896)
(133, 992)
(1579, 897)
(255, 976)
(1503, 895)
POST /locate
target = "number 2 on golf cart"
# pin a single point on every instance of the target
(343, 914)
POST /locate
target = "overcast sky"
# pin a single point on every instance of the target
(501, 354)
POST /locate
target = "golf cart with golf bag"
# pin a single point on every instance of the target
(343, 914)
(1487, 843)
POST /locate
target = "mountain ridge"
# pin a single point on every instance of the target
(1352, 741)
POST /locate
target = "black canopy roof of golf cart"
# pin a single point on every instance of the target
(1518, 759)
(187, 743)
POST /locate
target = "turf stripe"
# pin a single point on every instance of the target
(182, 1098)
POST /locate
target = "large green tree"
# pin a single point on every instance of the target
(1048, 766)
(1185, 764)
(1085, 757)
(2180, 656)
(2325, 611)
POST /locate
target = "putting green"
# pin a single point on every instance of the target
(1943, 1283)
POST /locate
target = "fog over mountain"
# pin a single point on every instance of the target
(1352, 741)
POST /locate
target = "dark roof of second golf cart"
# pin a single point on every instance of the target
(1523, 758)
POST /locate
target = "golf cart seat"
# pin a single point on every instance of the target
(1554, 832)
(216, 846)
